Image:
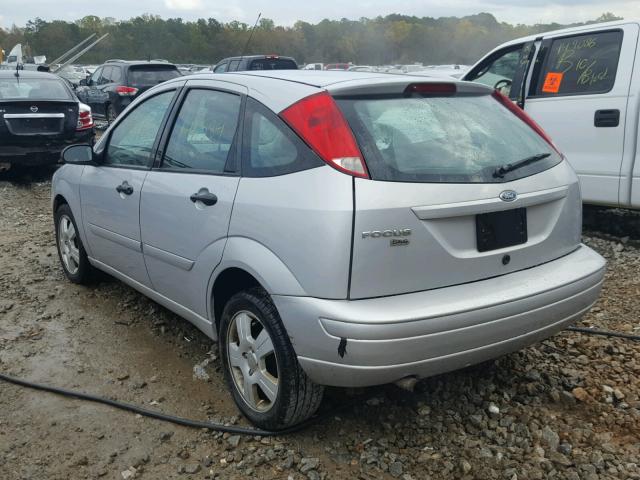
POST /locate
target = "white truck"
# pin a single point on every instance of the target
(582, 86)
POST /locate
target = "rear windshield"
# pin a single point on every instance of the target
(33, 89)
(273, 64)
(148, 75)
(458, 139)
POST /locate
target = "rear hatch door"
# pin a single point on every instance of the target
(437, 211)
(143, 77)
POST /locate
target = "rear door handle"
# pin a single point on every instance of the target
(606, 118)
(124, 188)
(205, 197)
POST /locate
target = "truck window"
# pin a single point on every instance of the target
(503, 69)
(580, 64)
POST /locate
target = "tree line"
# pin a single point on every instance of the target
(377, 41)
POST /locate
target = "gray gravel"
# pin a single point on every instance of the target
(568, 408)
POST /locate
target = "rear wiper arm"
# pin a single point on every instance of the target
(510, 167)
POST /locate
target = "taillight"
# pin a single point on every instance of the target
(524, 116)
(320, 123)
(126, 91)
(85, 119)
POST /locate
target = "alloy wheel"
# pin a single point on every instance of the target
(68, 245)
(252, 361)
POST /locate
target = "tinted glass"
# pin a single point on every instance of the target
(105, 77)
(273, 64)
(152, 75)
(581, 64)
(33, 89)
(271, 148)
(132, 140)
(204, 132)
(233, 65)
(116, 74)
(95, 77)
(460, 139)
(221, 68)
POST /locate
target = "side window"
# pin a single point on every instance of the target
(270, 147)
(93, 80)
(203, 134)
(132, 140)
(116, 74)
(580, 64)
(104, 78)
(504, 69)
(233, 65)
(221, 68)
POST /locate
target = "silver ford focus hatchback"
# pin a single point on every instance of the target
(332, 228)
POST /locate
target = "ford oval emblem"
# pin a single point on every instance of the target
(508, 196)
(34, 109)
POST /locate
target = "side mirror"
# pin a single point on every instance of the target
(83, 82)
(78, 155)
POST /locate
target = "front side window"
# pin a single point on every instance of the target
(233, 65)
(580, 64)
(105, 77)
(132, 140)
(93, 80)
(457, 139)
(271, 148)
(221, 68)
(203, 134)
(504, 70)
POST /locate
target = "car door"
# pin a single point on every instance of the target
(90, 94)
(579, 94)
(188, 196)
(110, 191)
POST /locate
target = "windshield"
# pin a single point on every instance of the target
(458, 139)
(33, 89)
(148, 76)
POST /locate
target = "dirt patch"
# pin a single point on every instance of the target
(568, 408)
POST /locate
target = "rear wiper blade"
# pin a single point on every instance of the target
(510, 167)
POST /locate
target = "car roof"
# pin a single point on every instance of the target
(570, 30)
(254, 57)
(11, 73)
(137, 62)
(278, 89)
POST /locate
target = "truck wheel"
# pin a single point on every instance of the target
(72, 255)
(260, 365)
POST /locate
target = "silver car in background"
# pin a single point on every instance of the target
(332, 228)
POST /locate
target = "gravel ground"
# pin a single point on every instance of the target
(568, 408)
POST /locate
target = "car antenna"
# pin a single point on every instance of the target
(246, 45)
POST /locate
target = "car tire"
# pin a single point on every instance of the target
(71, 252)
(248, 368)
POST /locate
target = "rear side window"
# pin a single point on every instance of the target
(204, 132)
(273, 64)
(270, 147)
(580, 64)
(151, 75)
(457, 139)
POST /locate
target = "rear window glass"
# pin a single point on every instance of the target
(458, 139)
(581, 64)
(33, 89)
(273, 64)
(151, 75)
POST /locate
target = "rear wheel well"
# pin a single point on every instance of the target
(59, 200)
(228, 283)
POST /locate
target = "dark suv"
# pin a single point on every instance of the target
(115, 84)
(255, 62)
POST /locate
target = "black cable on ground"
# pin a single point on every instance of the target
(161, 416)
(605, 333)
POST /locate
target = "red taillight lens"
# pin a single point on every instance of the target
(320, 123)
(85, 119)
(126, 91)
(522, 115)
(431, 88)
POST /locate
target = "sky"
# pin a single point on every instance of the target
(287, 12)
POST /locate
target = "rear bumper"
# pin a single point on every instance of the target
(428, 333)
(39, 151)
